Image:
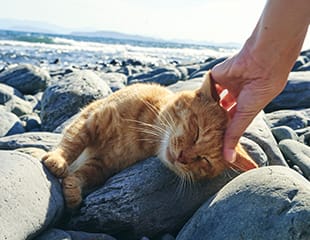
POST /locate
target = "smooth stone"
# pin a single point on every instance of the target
(294, 119)
(259, 132)
(30, 197)
(270, 203)
(164, 76)
(58, 234)
(64, 99)
(298, 153)
(10, 124)
(190, 84)
(284, 132)
(206, 67)
(7, 93)
(300, 61)
(305, 67)
(28, 79)
(295, 94)
(32, 122)
(116, 81)
(42, 140)
(18, 106)
(145, 199)
(255, 151)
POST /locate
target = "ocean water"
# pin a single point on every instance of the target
(44, 49)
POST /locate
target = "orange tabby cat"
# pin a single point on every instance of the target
(184, 129)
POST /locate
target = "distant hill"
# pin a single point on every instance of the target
(116, 35)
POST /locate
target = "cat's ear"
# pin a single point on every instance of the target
(208, 89)
(243, 161)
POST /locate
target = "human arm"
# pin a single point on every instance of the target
(260, 70)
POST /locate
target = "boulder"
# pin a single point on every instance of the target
(164, 76)
(295, 95)
(42, 140)
(7, 93)
(28, 79)
(145, 199)
(10, 123)
(206, 67)
(259, 132)
(271, 203)
(298, 153)
(116, 81)
(30, 197)
(69, 95)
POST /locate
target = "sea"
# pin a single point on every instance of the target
(65, 49)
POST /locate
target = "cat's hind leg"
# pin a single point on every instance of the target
(91, 174)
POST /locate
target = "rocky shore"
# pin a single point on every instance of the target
(147, 201)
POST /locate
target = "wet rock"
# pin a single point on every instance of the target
(30, 197)
(27, 78)
(298, 153)
(271, 203)
(64, 99)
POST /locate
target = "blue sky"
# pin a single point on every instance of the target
(201, 20)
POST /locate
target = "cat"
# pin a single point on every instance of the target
(185, 130)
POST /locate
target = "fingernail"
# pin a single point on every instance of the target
(230, 155)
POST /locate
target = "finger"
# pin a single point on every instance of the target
(238, 124)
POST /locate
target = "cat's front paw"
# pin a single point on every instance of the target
(72, 191)
(55, 162)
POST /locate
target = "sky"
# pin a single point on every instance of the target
(200, 20)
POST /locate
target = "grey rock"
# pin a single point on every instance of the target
(284, 132)
(206, 66)
(32, 122)
(294, 119)
(7, 93)
(300, 61)
(259, 132)
(295, 94)
(10, 124)
(18, 106)
(42, 140)
(145, 199)
(58, 234)
(27, 78)
(164, 76)
(116, 81)
(305, 67)
(69, 95)
(190, 84)
(270, 203)
(298, 153)
(30, 197)
(255, 151)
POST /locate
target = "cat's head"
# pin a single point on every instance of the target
(194, 125)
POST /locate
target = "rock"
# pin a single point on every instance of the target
(7, 93)
(190, 84)
(32, 122)
(295, 95)
(18, 106)
(164, 76)
(259, 132)
(30, 197)
(206, 67)
(305, 67)
(255, 151)
(298, 153)
(69, 95)
(294, 119)
(284, 132)
(42, 140)
(300, 61)
(57, 234)
(116, 81)
(27, 78)
(145, 199)
(271, 203)
(10, 124)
